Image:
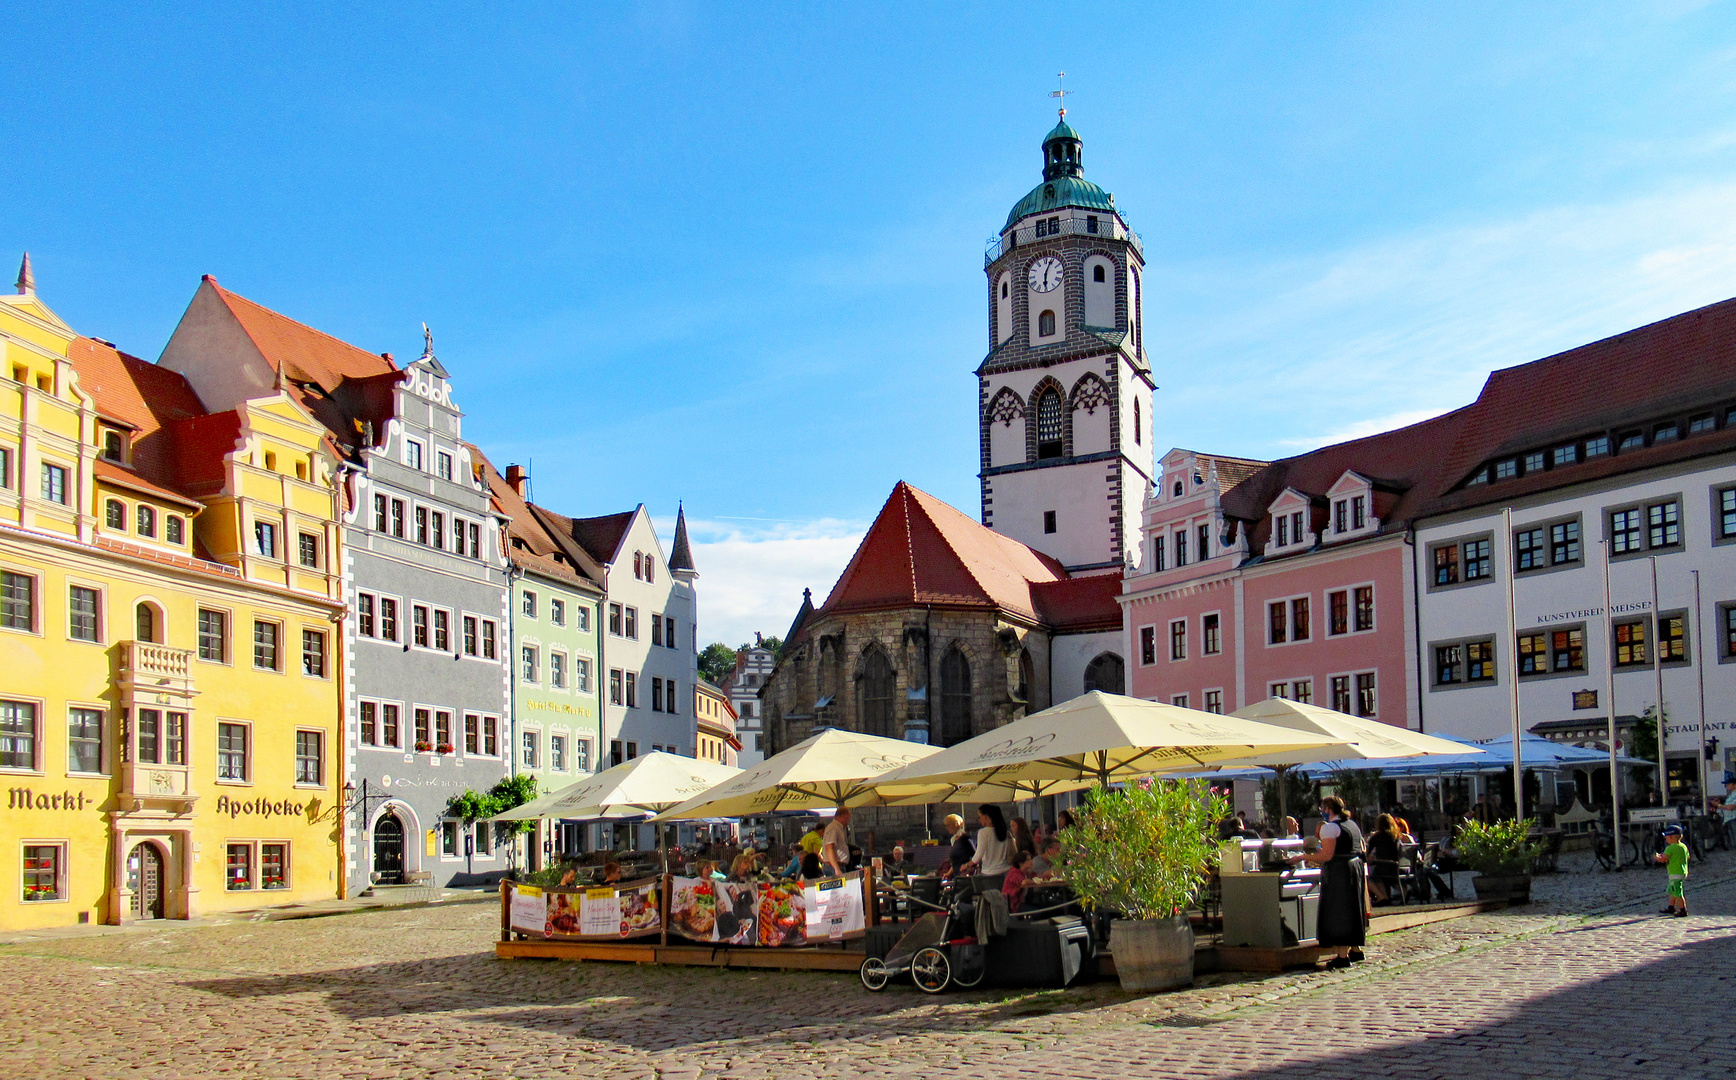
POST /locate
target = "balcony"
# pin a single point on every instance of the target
(1106, 225)
(151, 669)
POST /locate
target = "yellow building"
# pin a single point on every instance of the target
(714, 737)
(170, 668)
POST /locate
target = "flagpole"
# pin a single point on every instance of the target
(1513, 666)
(1700, 761)
(1609, 690)
(1658, 667)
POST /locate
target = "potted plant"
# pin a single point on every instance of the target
(423, 746)
(1141, 855)
(1501, 853)
(443, 748)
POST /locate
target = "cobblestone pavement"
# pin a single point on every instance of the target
(1588, 982)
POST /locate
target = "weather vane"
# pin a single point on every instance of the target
(1060, 92)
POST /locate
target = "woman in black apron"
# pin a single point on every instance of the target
(1342, 885)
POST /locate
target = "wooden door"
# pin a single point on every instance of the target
(145, 869)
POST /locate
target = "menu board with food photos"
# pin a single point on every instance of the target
(767, 913)
(625, 910)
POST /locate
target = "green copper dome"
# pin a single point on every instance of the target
(1064, 182)
(1063, 130)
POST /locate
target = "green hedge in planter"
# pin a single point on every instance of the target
(1143, 852)
(1498, 849)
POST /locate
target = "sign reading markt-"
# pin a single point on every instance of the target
(23, 798)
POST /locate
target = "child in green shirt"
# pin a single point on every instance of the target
(1675, 860)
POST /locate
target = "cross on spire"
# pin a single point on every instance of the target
(1060, 92)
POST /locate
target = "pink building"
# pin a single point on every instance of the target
(1284, 579)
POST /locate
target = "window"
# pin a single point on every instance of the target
(449, 838)
(1178, 700)
(656, 629)
(398, 518)
(309, 550)
(1567, 650)
(1447, 564)
(1533, 654)
(558, 612)
(1180, 549)
(84, 741)
(443, 465)
(491, 736)
(1449, 664)
(145, 623)
(1358, 511)
(17, 735)
(17, 602)
(147, 521)
(1148, 644)
(1702, 423)
(82, 614)
(422, 525)
(313, 653)
(632, 623)
(1666, 432)
(174, 529)
(528, 604)
(1299, 624)
(388, 619)
(1364, 608)
(419, 625)
(581, 675)
(310, 757)
(484, 834)
(1178, 640)
(365, 614)
(1297, 535)
(379, 513)
(44, 872)
(558, 670)
(1341, 516)
(1366, 705)
(1210, 638)
(1630, 643)
(1046, 323)
(1048, 521)
(413, 454)
(1214, 701)
(615, 619)
(1663, 525)
(457, 537)
(1727, 514)
(469, 628)
(669, 631)
(1563, 455)
(1302, 690)
(615, 683)
(639, 565)
(1277, 623)
(274, 866)
(1534, 462)
(1467, 662)
(442, 630)
(472, 733)
(656, 694)
(265, 646)
(115, 514)
(1597, 447)
(530, 749)
(232, 752)
(650, 569)
(238, 867)
(1341, 693)
(443, 731)
(582, 618)
(1528, 550)
(1673, 639)
(1475, 555)
(616, 757)
(5, 467)
(1624, 531)
(632, 690)
(1050, 433)
(53, 483)
(1506, 470)
(265, 539)
(488, 639)
(1564, 542)
(1337, 613)
(475, 541)
(367, 718)
(1157, 552)
(527, 654)
(671, 700)
(389, 726)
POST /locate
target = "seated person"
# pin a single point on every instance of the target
(1383, 849)
(1018, 879)
(1048, 858)
(811, 868)
(745, 867)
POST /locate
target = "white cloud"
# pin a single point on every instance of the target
(1361, 428)
(752, 572)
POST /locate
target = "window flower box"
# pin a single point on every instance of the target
(444, 748)
(423, 747)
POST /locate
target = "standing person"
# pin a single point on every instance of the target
(1022, 838)
(813, 839)
(1675, 860)
(1342, 924)
(835, 841)
(962, 851)
(994, 847)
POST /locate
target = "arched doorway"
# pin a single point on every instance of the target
(955, 709)
(145, 879)
(1106, 673)
(388, 850)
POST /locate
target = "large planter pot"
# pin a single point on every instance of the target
(1153, 954)
(1513, 888)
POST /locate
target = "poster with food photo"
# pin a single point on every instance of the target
(708, 910)
(783, 914)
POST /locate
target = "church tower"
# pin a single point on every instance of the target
(1064, 394)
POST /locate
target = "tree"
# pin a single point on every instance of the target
(775, 645)
(1359, 788)
(471, 806)
(716, 661)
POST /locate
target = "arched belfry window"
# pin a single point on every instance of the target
(1097, 273)
(1046, 324)
(875, 688)
(1050, 443)
(955, 721)
(1106, 673)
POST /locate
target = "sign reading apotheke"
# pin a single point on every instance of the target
(259, 807)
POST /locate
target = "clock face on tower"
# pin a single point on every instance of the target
(1046, 274)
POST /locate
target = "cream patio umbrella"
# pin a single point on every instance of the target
(1094, 738)
(644, 785)
(833, 768)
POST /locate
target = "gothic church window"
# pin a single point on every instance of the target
(955, 700)
(875, 690)
(1049, 424)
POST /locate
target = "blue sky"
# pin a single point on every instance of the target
(732, 255)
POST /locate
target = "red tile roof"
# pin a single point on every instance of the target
(149, 399)
(298, 351)
(539, 539)
(920, 551)
(602, 536)
(201, 443)
(1080, 604)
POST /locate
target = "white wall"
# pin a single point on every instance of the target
(1071, 654)
(663, 596)
(1099, 295)
(1003, 307)
(1077, 494)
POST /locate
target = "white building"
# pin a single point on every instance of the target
(1627, 447)
(752, 667)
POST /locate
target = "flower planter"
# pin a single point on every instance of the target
(1153, 954)
(1513, 888)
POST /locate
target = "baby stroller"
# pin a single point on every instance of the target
(940, 950)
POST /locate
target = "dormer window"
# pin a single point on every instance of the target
(1534, 462)
(1283, 530)
(1177, 491)
(114, 446)
(1358, 511)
